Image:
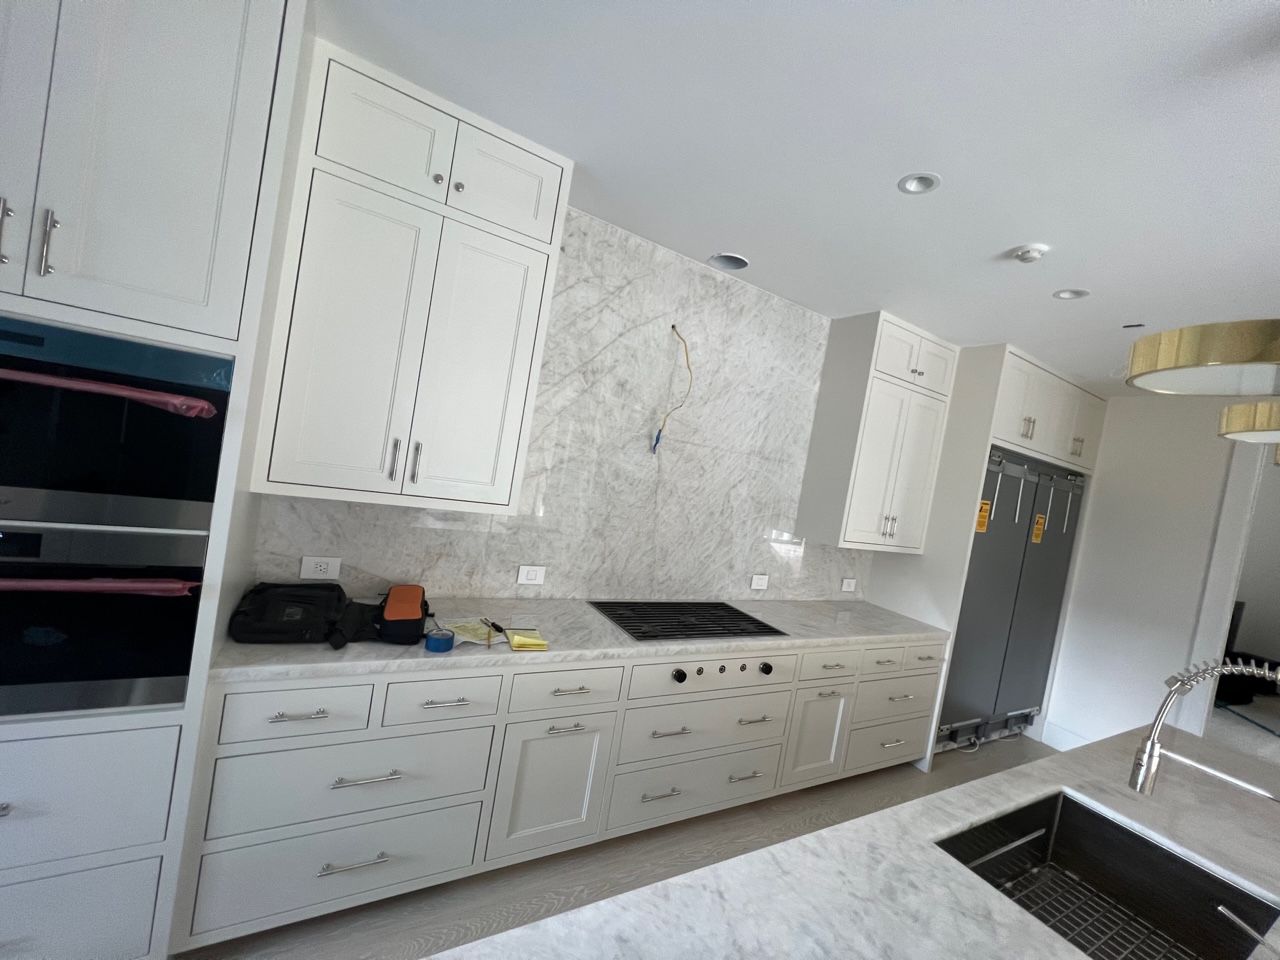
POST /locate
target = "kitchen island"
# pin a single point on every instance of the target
(879, 888)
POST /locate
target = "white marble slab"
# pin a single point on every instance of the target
(575, 633)
(877, 888)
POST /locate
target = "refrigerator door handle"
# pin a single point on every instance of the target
(1048, 511)
(995, 497)
(1017, 513)
(1066, 517)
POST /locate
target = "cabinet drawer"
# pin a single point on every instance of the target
(899, 697)
(293, 786)
(883, 660)
(371, 127)
(272, 878)
(650, 732)
(827, 664)
(100, 914)
(709, 676)
(649, 794)
(272, 714)
(922, 658)
(420, 701)
(69, 796)
(902, 740)
(565, 689)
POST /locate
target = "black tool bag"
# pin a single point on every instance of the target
(290, 613)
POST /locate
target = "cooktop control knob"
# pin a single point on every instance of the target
(679, 676)
(766, 668)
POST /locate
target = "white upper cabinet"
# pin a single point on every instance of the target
(475, 367)
(153, 148)
(503, 183)
(915, 358)
(936, 366)
(355, 339)
(27, 30)
(871, 491)
(374, 128)
(920, 446)
(1044, 414)
(1086, 432)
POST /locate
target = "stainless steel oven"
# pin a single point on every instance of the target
(108, 463)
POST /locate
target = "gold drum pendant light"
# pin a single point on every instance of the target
(1238, 359)
(1251, 422)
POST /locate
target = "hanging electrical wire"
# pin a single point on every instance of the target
(688, 365)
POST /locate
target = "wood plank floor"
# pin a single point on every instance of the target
(419, 924)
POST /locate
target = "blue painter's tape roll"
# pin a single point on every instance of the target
(439, 640)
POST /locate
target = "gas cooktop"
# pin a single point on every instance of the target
(680, 620)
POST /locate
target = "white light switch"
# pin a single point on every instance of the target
(320, 568)
(759, 581)
(848, 585)
(531, 576)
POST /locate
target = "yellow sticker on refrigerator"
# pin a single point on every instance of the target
(984, 515)
(1037, 532)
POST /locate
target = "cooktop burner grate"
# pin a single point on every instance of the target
(679, 620)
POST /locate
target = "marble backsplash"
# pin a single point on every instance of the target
(607, 517)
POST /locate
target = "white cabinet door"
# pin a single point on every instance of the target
(896, 350)
(152, 154)
(503, 183)
(921, 447)
(1087, 428)
(1011, 418)
(1051, 403)
(27, 30)
(818, 734)
(867, 515)
(550, 782)
(376, 129)
(935, 366)
(355, 339)
(476, 365)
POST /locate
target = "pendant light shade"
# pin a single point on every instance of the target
(1251, 422)
(1240, 359)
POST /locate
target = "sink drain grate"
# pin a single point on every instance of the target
(1090, 920)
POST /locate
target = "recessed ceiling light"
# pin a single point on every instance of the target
(1070, 293)
(728, 261)
(919, 182)
(1132, 326)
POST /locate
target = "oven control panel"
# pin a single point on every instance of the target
(701, 676)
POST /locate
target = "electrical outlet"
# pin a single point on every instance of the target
(320, 568)
(759, 581)
(531, 576)
(848, 585)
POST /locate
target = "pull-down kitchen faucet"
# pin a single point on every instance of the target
(1146, 764)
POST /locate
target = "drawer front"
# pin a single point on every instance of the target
(651, 732)
(565, 689)
(898, 741)
(421, 701)
(894, 697)
(705, 676)
(100, 914)
(883, 660)
(922, 658)
(272, 878)
(293, 786)
(273, 714)
(376, 129)
(69, 796)
(828, 664)
(650, 794)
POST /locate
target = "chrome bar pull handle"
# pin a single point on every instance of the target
(926, 659)
(417, 460)
(763, 718)
(576, 728)
(905, 696)
(432, 704)
(50, 224)
(884, 526)
(319, 713)
(5, 809)
(1032, 434)
(753, 775)
(682, 732)
(395, 458)
(893, 528)
(328, 869)
(833, 666)
(649, 798)
(826, 693)
(885, 663)
(341, 782)
(5, 211)
(892, 743)
(559, 692)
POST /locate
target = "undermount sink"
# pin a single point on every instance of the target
(1109, 891)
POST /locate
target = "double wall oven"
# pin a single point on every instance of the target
(109, 456)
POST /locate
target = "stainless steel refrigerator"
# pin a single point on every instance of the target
(1024, 533)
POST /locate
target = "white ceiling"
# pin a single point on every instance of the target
(1141, 140)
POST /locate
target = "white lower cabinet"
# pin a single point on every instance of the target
(819, 727)
(550, 783)
(652, 732)
(888, 743)
(676, 787)
(895, 697)
(266, 879)
(99, 914)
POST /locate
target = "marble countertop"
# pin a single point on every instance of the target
(575, 633)
(878, 888)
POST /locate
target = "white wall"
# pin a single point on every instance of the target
(1141, 565)
(1260, 579)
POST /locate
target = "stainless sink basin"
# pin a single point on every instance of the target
(1108, 890)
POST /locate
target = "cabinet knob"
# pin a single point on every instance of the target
(459, 186)
(437, 178)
